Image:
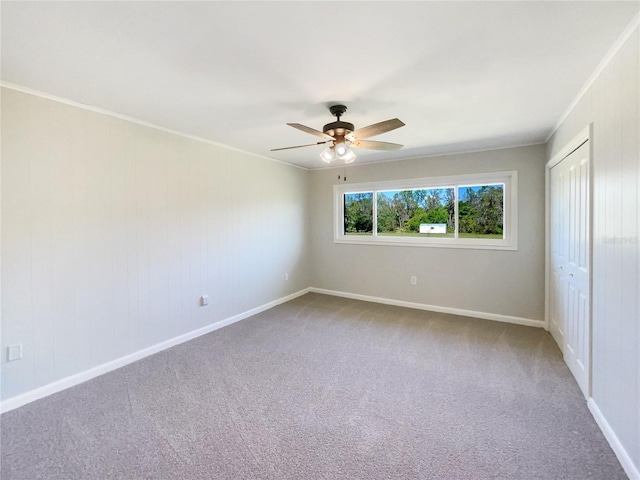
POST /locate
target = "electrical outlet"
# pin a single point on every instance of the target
(204, 300)
(14, 352)
(286, 276)
(413, 280)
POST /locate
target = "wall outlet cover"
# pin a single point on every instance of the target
(14, 352)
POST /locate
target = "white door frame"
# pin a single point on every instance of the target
(586, 134)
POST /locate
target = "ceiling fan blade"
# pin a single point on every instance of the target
(371, 145)
(298, 146)
(310, 130)
(378, 128)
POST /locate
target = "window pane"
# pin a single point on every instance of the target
(481, 211)
(416, 212)
(358, 213)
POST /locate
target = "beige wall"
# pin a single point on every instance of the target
(111, 231)
(489, 281)
(612, 104)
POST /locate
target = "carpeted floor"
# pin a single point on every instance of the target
(323, 388)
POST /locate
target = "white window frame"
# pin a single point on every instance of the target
(510, 217)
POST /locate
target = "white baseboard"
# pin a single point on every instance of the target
(64, 383)
(632, 470)
(434, 308)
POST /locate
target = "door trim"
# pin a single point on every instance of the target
(585, 135)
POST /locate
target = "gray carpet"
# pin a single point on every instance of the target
(323, 388)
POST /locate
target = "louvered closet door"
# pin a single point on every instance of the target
(570, 313)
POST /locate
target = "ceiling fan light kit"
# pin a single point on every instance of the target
(348, 156)
(341, 147)
(343, 135)
(328, 154)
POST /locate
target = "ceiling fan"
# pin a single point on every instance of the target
(342, 135)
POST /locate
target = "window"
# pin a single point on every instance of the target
(358, 213)
(470, 211)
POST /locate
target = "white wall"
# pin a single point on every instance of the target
(112, 230)
(612, 104)
(507, 283)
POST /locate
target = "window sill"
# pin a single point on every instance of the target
(474, 244)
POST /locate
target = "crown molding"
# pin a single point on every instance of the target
(624, 36)
(102, 111)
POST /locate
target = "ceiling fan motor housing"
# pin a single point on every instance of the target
(338, 128)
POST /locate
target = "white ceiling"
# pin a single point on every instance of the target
(462, 75)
